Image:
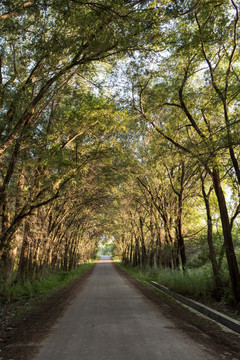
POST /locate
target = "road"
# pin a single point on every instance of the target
(111, 320)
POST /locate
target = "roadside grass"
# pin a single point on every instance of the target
(196, 283)
(19, 299)
(45, 285)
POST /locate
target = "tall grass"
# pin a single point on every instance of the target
(197, 283)
(45, 285)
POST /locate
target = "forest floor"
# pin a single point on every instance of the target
(18, 339)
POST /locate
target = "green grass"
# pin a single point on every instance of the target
(46, 285)
(196, 283)
(22, 298)
(139, 274)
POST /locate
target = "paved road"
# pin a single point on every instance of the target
(111, 320)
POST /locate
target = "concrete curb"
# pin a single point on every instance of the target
(225, 320)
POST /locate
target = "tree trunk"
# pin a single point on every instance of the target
(10, 253)
(131, 249)
(144, 253)
(34, 269)
(136, 255)
(175, 252)
(181, 244)
(4, 261)
(7, 266)
(212, 253)
(23, 267)
(152, 245)
(159, 248)
(230, 253)
(180, 237)
(66, 255)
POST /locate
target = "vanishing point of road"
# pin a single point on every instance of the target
(110, 319)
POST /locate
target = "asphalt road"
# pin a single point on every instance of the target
(111, 320)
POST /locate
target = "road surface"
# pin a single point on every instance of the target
(111, 320)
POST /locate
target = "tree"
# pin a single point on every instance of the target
(196, 90)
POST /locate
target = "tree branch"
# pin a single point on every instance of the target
(76, 135)
(18, 9)
(183, 105)
(237, 212)
(234, 45)
(171, 181)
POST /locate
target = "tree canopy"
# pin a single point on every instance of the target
(119, 120)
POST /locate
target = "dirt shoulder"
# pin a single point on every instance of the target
(20, 341)
(196, 326)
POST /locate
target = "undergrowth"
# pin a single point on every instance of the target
(195, 283)
(45, 285)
